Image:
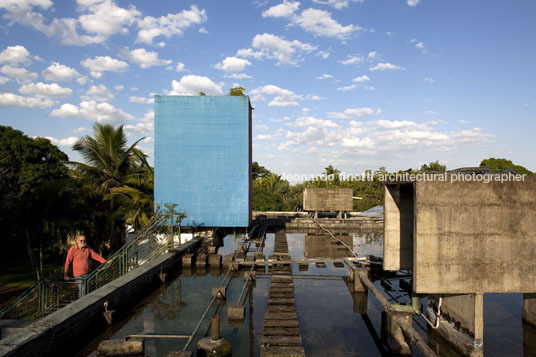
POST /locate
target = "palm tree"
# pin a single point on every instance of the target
(109, 164)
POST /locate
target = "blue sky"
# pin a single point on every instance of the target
(358, 84)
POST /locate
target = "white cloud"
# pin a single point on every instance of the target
(389, 34)
(233, 64)
(352, 60)
(46, 90)
(143, 100)
(285, 9)
(143, 58)
(14, 100)
(169, 25)
(353, 113)
(203, 30)
(180, 67)
(260, 127)
(70, 141)
(99, 93)
(59, 72)
(347, 88)
(238, 76)
(429, 80)
(463, 122)
(320, 23)
(314, 97)
(361, 79)
(144, 126)
(119, 87)
(324, 76)
(80, 130)
(15, 55)
(3, 80)
(413, 2)
(430, 112)
(104, 113)
(274, 47)
(101, 64)
(192, 85)
(269, 136)
(21, 75)
(373, 55)
(338, 4)
(314, 122)
(282, 97)
(384, 66)
(323, 54)
(105, 18)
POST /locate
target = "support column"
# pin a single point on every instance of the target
(395, 337)
(529, 309)
(461, 321)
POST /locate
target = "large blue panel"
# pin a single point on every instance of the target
(202, 158)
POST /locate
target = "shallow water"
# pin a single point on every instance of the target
(325, 307)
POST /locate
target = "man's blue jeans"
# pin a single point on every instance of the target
(81, 280)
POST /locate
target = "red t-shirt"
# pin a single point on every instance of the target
(80, 259)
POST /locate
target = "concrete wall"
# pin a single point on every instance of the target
(469, 237)
(328, 199)
(67, 330)
(398, 229)
(203, 158)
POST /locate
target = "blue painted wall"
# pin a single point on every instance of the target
(202, 158)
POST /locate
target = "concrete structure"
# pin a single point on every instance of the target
(203, 158)
(462, 237)
(332, 199)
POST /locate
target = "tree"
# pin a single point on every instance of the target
(31, 172)
(109, 164)
(433, 166)
(202, 94)
(259, 171)
(504, 164)
(237, 91)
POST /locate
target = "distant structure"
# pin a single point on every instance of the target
(329, 199)
(203, 158)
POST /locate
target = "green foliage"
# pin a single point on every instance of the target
(117, 180)
(433, 166)
(237, 91)
(33, 193)
(259, 171)
(503, 164)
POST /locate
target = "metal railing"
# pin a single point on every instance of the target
(51, 294)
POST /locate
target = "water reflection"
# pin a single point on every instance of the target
(324, 246)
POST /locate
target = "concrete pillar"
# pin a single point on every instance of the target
(529, 309)
(360, 302)
(395, 337)
(529, 340)
(339, 214)
(461, 321)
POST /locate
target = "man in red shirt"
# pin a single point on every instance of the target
(79, 255)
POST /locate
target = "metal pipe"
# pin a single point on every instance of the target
(190, 338)
(415, 339)
(377, 294)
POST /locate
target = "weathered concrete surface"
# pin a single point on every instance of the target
(468, 237)
(120, 347)
(328, 199)
(461, 321)
(398, 227)
(529, 309)
(81, 320)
